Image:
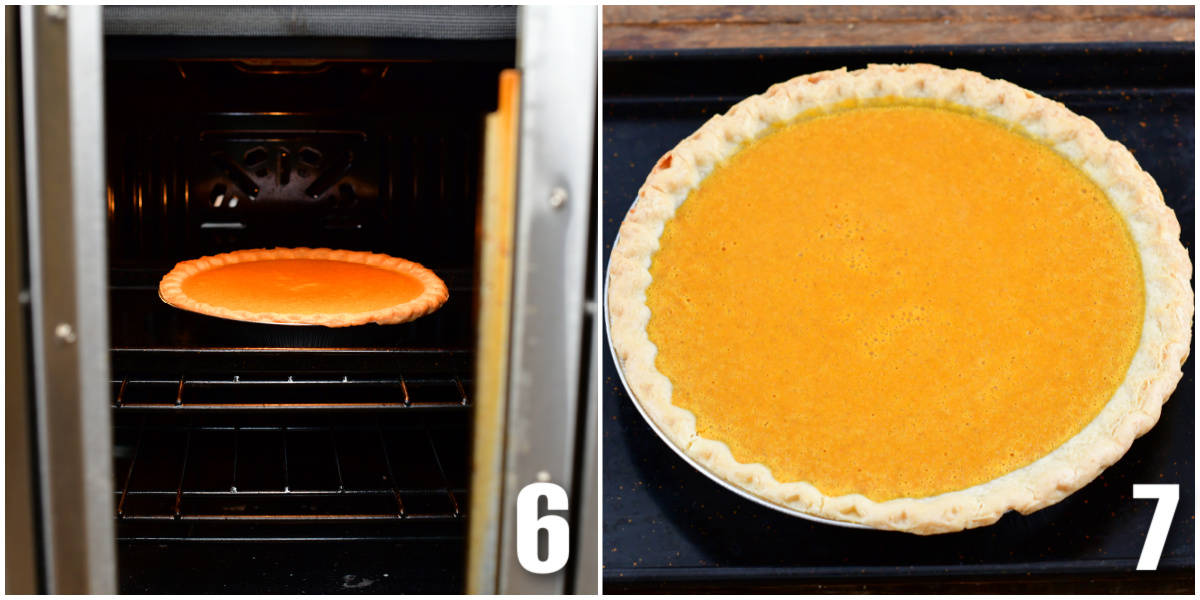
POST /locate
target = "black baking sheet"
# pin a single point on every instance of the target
(669, 528)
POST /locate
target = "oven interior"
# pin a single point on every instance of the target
(253, 457)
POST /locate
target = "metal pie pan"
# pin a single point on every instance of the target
(679, 451)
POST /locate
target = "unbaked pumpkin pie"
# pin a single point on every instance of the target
(904, 296)
(311, 286)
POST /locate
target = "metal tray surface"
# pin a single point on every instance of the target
(668, 527)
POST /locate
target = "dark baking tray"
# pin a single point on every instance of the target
(669, 528)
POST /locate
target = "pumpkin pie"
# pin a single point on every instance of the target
(904, 296)
(311, 286)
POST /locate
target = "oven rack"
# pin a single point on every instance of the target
(290, 392)
(240, 482)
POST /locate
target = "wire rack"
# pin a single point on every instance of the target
(255, 481)
(290, 392)
(276, 457)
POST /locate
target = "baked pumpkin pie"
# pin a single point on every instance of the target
(904, 296)
(311, 286)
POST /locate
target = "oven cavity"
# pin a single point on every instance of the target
(353, 442)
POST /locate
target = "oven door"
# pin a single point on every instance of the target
(61, 304)
(535, 391)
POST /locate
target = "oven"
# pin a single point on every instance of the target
(157, 450)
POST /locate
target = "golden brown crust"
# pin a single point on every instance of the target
(1133, 409)
(433, 296)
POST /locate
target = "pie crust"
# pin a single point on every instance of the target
(1130, 412)
(432, 292)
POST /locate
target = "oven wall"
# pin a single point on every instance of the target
(210, 156)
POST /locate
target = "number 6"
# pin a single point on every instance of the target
(529, 524)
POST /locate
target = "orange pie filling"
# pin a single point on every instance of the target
(301, 286)
(895, 299)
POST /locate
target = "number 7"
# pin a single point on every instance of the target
(1164, 511)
